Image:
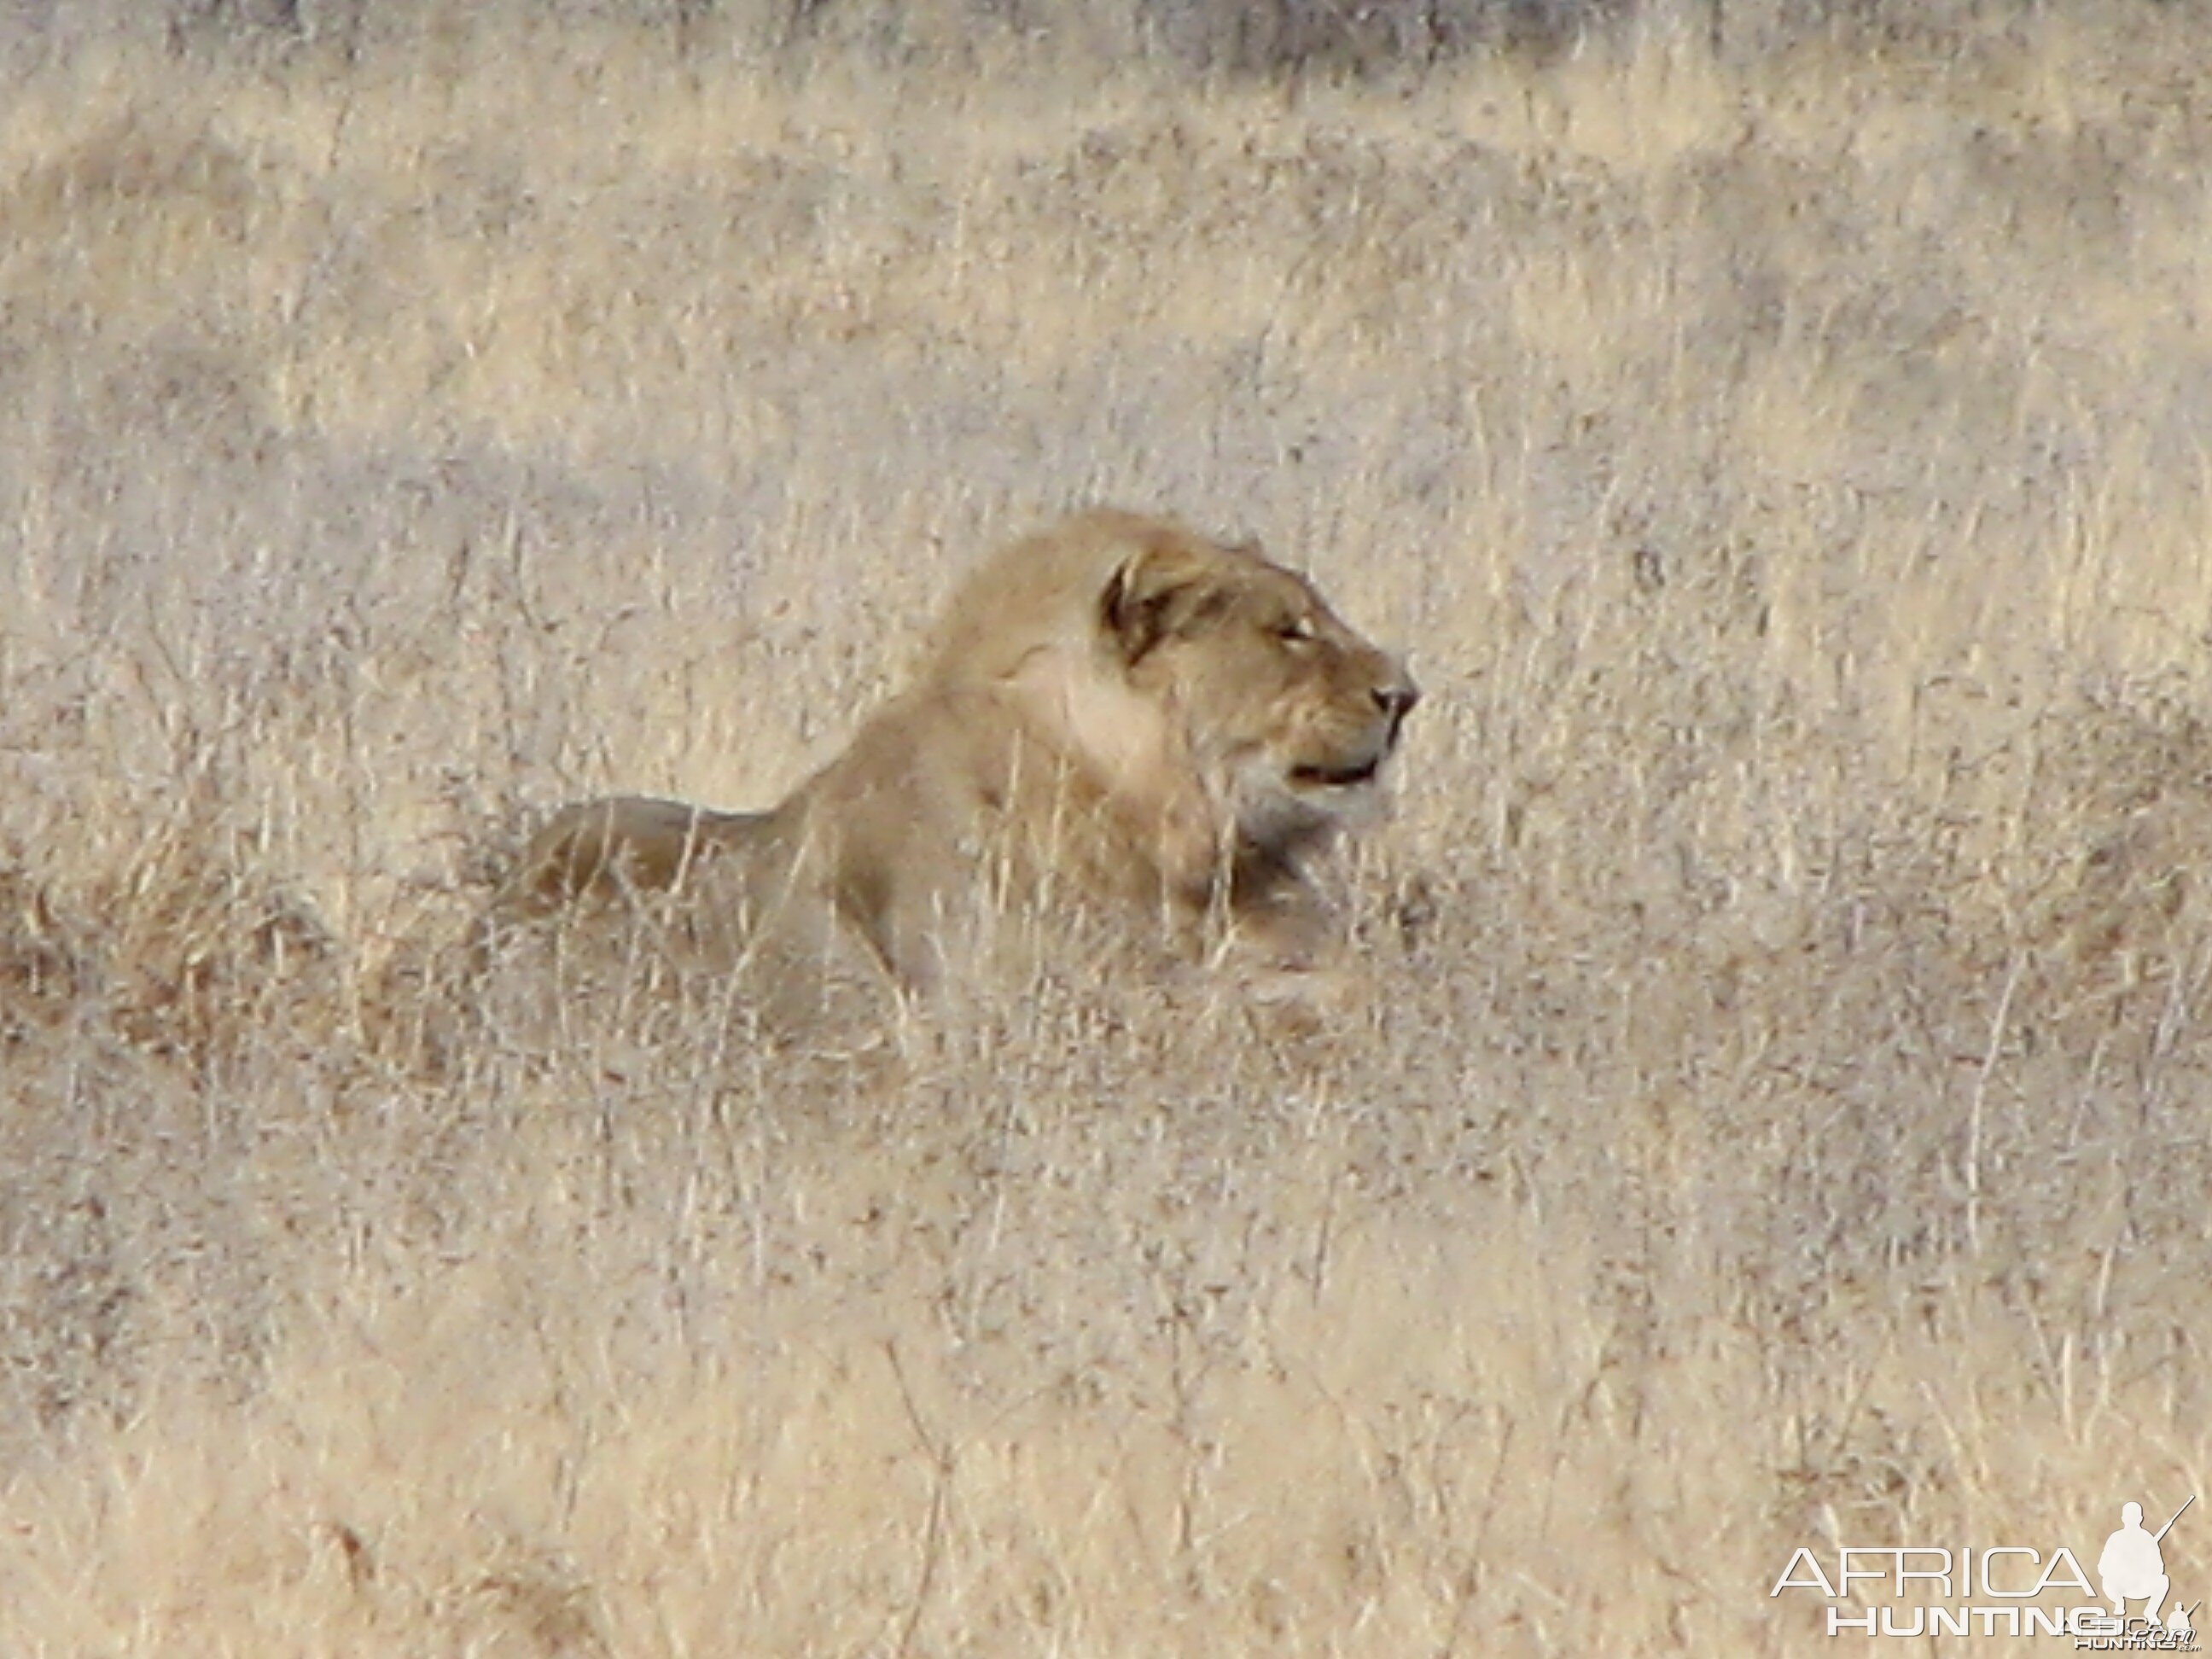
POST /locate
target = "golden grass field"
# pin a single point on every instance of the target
(1775, 1110)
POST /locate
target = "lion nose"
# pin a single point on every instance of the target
(1396, 700)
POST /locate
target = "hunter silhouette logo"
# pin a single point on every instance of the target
(2133, 1567)
(2005, 1589)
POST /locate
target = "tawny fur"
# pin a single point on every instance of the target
(1115, 715)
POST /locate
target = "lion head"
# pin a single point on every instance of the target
(1200, 681)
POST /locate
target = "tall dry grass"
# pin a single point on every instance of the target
(1778, 1115)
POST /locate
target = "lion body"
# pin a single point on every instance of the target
(1115, 718)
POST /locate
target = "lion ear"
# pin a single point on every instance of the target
(1149, 596)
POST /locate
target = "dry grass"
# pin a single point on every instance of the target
(1778, 1118)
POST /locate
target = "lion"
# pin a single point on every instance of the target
(1115, 716)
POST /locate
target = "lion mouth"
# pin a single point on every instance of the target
(1337, 777)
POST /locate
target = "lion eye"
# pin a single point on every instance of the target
(1297, 630)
